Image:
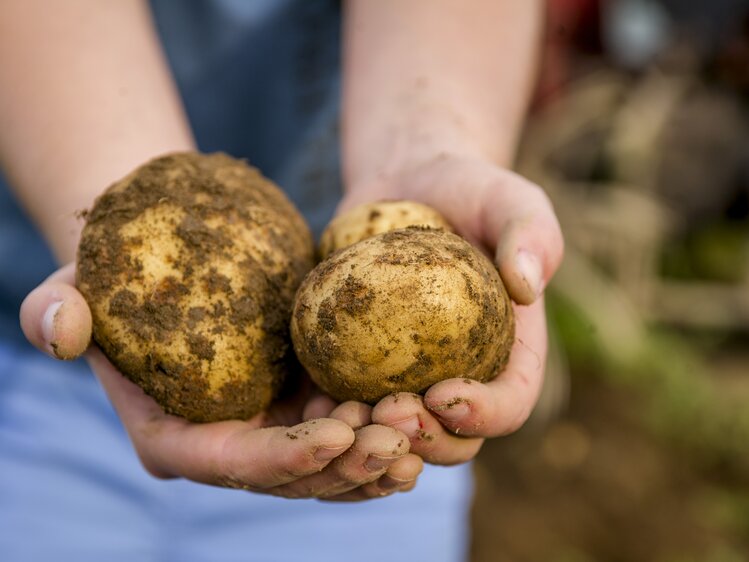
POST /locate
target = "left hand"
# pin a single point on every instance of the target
(513, 220)
(342, 457)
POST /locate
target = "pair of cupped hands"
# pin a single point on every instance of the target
(350, 451)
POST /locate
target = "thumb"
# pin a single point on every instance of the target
(510, 216)
(520, 224)
(55, 317)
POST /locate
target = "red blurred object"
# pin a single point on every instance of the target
(732, 60)
(572, 26)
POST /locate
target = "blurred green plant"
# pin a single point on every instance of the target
(718, 251)
(603, 333)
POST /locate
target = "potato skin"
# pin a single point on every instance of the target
(375, 218)
(402, 311)
(189, 265)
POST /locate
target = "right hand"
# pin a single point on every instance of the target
(342, 457)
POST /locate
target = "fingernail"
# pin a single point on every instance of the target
(387, 482)
(530, 269)
(376, 462)
(48, 322)
(324, 454)
(409, 426)
(452, 411)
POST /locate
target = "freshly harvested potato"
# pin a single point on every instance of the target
(375, 218)
(190, 265)
(402, 311)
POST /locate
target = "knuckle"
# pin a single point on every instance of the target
(296, 463)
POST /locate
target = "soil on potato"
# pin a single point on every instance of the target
(204, 187)
(596, 486)
(321, 338)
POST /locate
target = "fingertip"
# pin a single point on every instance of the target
(455, 403)
(529, 250)
(396, 405)
(449, 391)
(72, 329)
(382, 440)
(408, 487)
(355, 414)
(306, 448)
(326, 432)
(400, 411)
(452, 412)
(407, 468)
(56, 319)
(522, 275)
(402, 474)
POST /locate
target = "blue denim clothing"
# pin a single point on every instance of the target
(260, 80)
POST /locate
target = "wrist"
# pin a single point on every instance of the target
(422, 132)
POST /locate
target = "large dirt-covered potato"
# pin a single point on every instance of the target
(190, 265)
(402, 311)
(375, 218)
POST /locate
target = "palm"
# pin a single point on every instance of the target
(509, 218)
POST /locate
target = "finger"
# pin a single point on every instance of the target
(502, 405)
(428, 437)
(400, 477)
(232, 453)
(520, 220)
(402, 474)
(319, 405)
(354, 414)
(55, 317)
(375, 449)
(408, 487)
(501, 210)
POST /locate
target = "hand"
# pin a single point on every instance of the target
(342, 457)
(513, 220)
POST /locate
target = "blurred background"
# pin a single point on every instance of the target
(639, 449)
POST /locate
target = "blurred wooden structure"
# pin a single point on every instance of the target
(620, 159)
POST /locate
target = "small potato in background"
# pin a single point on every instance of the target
(375, 218)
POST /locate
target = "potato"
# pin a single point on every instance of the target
(190, 265)
(401, 311)
(375, 218)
